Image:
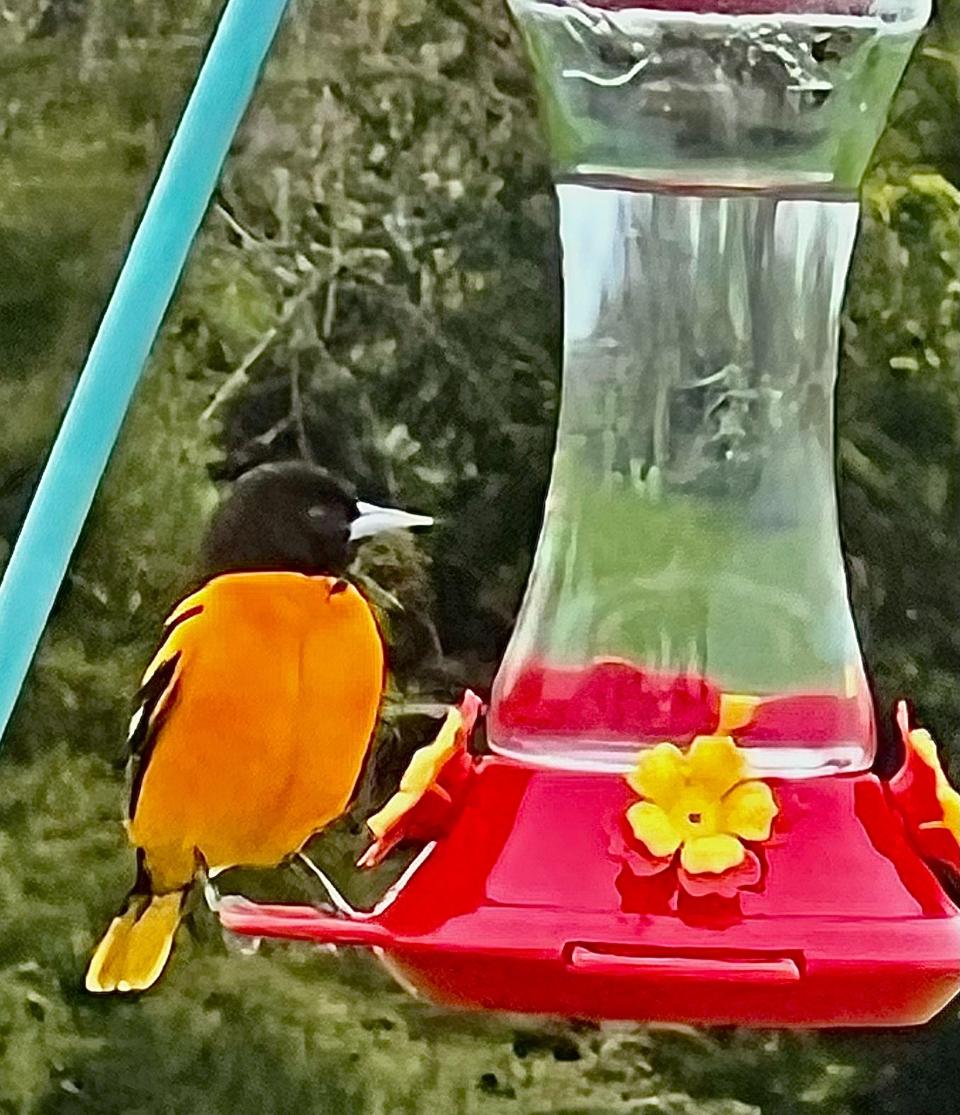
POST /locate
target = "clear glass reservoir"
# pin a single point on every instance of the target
(689, 575)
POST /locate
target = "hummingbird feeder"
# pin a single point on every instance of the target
(679, 818)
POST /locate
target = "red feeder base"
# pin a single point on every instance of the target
(527, 906)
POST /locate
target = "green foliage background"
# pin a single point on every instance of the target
(376, 287)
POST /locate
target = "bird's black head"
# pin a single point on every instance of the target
(293, 517)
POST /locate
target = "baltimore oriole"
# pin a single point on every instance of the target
(256, 714)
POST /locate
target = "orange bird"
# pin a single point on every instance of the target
(257, 712)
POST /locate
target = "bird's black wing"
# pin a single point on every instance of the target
(156, 697)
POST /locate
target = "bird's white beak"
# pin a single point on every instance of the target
(373, 520)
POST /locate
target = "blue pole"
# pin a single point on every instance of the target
(132, 320)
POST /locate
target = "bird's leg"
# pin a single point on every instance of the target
(339, 903)
(210, 893)
(233, 942)
(211, 896)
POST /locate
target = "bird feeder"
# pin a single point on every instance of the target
(679, 818)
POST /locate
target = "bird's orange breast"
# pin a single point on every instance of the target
(264, 731)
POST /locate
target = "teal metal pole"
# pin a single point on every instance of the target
(132, 320)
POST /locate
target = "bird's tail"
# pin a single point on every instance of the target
(136, 947)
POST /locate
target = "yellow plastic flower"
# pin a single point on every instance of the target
(420, 775)
(923, 744)
(701, 803)
(737, 710)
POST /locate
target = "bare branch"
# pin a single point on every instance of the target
(268, 437)
(329, 309)
(239, 377)
(231, 221)
(296, 411)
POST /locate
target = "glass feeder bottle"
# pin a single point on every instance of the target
(707, 163)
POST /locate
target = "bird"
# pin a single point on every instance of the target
(255, 716)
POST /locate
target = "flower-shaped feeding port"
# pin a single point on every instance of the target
(423, 806)
(929, 805)
(703, 805)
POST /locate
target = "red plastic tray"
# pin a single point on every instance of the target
(526, 906)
